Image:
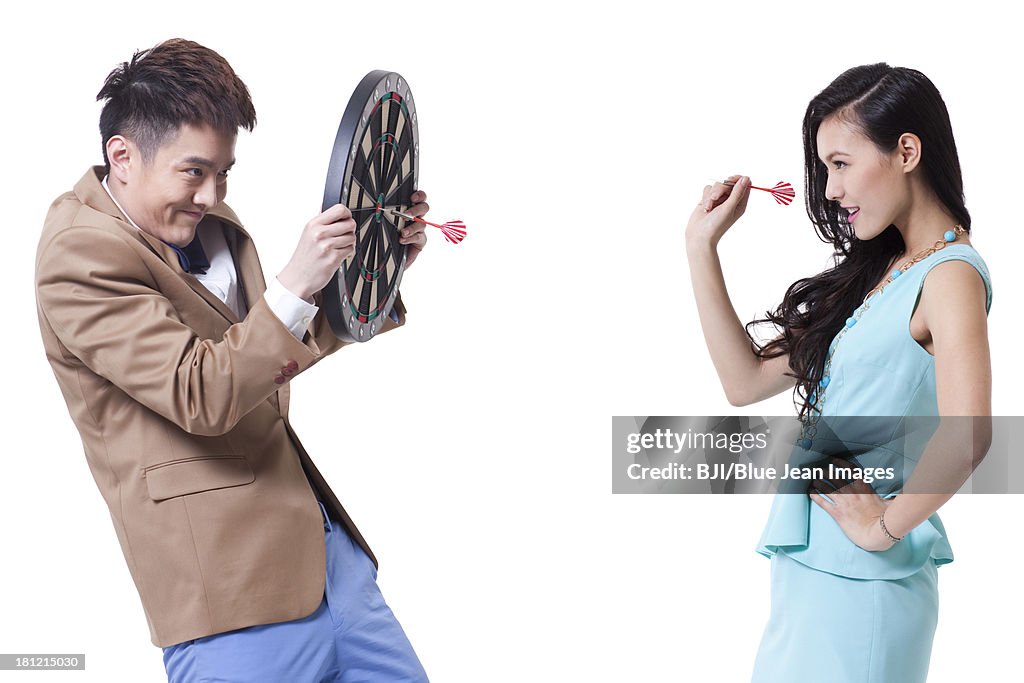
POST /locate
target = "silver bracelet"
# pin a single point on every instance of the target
(881, 522)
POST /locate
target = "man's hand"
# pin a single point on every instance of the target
(330, 238)
(325, 242)
(413, 234)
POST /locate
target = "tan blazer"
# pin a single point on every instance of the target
(183, 413)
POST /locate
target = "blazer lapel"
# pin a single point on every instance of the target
(250, 274)
(170, 257)
(91, 193)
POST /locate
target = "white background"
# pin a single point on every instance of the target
(573, 139)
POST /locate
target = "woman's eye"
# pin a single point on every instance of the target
(839, 164)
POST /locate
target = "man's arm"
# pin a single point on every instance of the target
(102, 302)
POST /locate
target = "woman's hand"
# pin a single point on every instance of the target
(721, 206)
(856, 508)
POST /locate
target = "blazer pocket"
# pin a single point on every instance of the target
(194, 475)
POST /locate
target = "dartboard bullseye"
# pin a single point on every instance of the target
(373, 171)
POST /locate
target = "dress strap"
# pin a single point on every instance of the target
(957, 252)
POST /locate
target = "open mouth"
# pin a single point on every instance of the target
(852, 215)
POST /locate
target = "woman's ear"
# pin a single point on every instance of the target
(909, 149)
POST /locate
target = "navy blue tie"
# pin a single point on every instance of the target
(192, 257)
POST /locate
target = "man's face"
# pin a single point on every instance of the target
(188, 176)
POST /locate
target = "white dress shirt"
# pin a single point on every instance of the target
(221, 278)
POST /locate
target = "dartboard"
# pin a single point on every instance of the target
(373, 172)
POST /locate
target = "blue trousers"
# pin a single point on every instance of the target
(352, 637)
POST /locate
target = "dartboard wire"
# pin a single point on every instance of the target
(398, 159)
(394, 167)
(387, 146)
(369, 193)
(394, 184)
(359, 195)
(389, 155)
(360, 169)
(368, 232)
(352, 272)
(367, 288)
(386, 240)
(378, 160)
(392, 180)
(397, 178)
(370, 246)
(393, 161)
(391, 251)
(360, 227)
(377, 265)
(390, 148)
(360, 303)
(387, 244)
(390, 199)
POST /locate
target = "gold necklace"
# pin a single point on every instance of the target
(817, 397)
(948, 237)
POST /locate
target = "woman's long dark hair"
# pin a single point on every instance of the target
(883, 102)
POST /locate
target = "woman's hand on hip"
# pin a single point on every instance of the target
(855, 507)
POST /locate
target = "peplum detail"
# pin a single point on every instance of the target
(879, 370)
(807, 534)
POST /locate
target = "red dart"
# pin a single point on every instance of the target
(454, 231)
(783, 192)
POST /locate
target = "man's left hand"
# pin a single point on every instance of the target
(413, 234)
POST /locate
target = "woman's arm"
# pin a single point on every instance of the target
(953, 308)
(745, 377)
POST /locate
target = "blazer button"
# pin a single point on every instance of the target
(279, 379)
(292, 365)
(286, 371)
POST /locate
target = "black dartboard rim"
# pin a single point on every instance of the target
(348, 320)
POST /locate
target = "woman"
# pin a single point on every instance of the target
(854, 592)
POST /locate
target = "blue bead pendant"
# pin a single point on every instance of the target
(949, 236)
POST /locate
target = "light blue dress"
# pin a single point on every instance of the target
(840, 613)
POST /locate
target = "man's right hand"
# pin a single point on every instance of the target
(326, 241)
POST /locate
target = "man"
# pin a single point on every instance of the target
(174, 359)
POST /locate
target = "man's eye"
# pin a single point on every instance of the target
(223, 174)
(194, 172)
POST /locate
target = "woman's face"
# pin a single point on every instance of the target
(872, 187)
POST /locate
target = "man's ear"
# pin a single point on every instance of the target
(123, 157)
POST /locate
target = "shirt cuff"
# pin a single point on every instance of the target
(295, 313)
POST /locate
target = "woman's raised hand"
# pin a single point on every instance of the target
(721, 206)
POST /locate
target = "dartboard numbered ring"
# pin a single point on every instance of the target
(373, 170)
